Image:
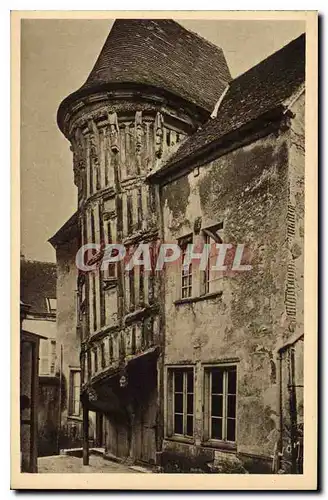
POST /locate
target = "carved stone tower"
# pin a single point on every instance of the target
(151, 86)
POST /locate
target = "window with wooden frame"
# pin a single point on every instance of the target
(220, 402)
(180, 397)
(186, 271)
(74, 393)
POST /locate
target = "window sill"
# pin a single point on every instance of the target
(180, 439)
(220, 445)
(191, 300)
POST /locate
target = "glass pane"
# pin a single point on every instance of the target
(217, 382)
(217, 406)
(190, 403)
(178, 424)
(178, 381)
(216, 428)
(232, 379)
(190, 425)
(190, 381)
(178, 403)
(231, 429)
(232, 406)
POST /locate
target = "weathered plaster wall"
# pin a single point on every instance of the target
(67, 335)
(247, 190)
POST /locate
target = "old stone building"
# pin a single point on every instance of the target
(190, 369)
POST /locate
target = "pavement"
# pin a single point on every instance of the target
(68, 464)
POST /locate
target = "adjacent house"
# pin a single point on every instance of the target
(38, 290)
(190, 369)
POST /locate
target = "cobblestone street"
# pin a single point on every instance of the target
(68, 464)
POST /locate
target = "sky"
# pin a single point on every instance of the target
(56, 58)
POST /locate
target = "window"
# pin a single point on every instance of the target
(75, 383)
(181, 401)
(51, 305)
(47, 364)
(186, 272)
(220, 403)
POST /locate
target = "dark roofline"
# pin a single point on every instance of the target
(264, 123)
(68, 231)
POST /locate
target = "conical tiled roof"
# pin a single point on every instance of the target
(163, 54)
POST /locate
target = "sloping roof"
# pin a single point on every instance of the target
(37, 282)
(262, 88)
(161, 53)
(68, 231)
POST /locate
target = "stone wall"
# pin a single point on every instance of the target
(68, 339)
(242, 319)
